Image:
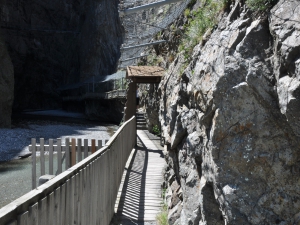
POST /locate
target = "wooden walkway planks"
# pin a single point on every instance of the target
(139, 197)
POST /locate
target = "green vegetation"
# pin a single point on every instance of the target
(162, 217)
(200, 21)
(260, 5)
(154, 60)
(156, 130)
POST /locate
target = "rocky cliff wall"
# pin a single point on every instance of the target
(53, 43)
(231, 122)
(6, 85)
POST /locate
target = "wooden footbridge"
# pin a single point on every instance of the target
(98, 187)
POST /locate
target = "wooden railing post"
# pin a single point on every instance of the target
(33, 150)
(59, 156)
(67, 152)
(42, 156)
(93, 146)
(79, 153)
(51, 156)
(86, 148)
(73, 152)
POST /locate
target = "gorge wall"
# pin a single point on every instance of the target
(6, 85)
(54, 43)
(230, 119)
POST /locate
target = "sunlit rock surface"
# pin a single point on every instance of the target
(231, 121)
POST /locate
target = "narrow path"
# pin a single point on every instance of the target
(139, 198)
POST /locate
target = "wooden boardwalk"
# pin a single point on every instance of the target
(139, 198)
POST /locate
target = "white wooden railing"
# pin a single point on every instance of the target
(65, 154)
(84, 194)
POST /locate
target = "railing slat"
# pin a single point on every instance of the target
(33, 150)
(33, 214)
(86, 148)
(79, 153)
(50, 211)
(77, 203)
(13, 223)
(67, 152)
(63, 205)
(81, 197)
(99, 144)
(57, 207)
(51, 156)
(73, 152)
(23, 219)
(93, 146)
(59, 157)
(72, 200)
(42, 156)
(42, 211)
(84, 196)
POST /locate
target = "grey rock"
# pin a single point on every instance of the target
(57, 43)
(6, 85)
(233, 124)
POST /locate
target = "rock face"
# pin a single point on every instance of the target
(53, 43)
(150, 101)
(231, 121)
(6, 86)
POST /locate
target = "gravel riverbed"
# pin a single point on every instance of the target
(15, 173)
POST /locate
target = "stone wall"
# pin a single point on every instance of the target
(53, 43)
(231, 122)
(6, 85)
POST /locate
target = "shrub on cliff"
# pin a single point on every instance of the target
(260, 5)
(200, 21)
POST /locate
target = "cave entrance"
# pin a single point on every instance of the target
(139, 75)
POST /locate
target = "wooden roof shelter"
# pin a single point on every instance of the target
(145, 74)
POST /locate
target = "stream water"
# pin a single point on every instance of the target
(15, 175)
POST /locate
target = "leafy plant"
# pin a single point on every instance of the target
(203, 19)
(260, 5)
(162, 217)
(187, 12)
(156, 130)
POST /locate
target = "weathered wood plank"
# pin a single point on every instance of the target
(57, 207)
(50, 206)
(93, 146)
(67, 152)
(79, 152)
(63, 209)
(86, 148)
(42, 156)
(73, 152)
(15, 222)
(23, 219)
(33, 214)
(59, 157)
(51, 156)
(80, 197)
(42, 208)
(72, 199)
(76, 199)
(33, 150)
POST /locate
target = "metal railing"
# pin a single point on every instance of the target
(106, 95)
(83, 194)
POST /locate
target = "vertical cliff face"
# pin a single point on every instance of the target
(53, 43)
(6, 85)
(231, 121)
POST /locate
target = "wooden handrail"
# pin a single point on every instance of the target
(79, 185)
